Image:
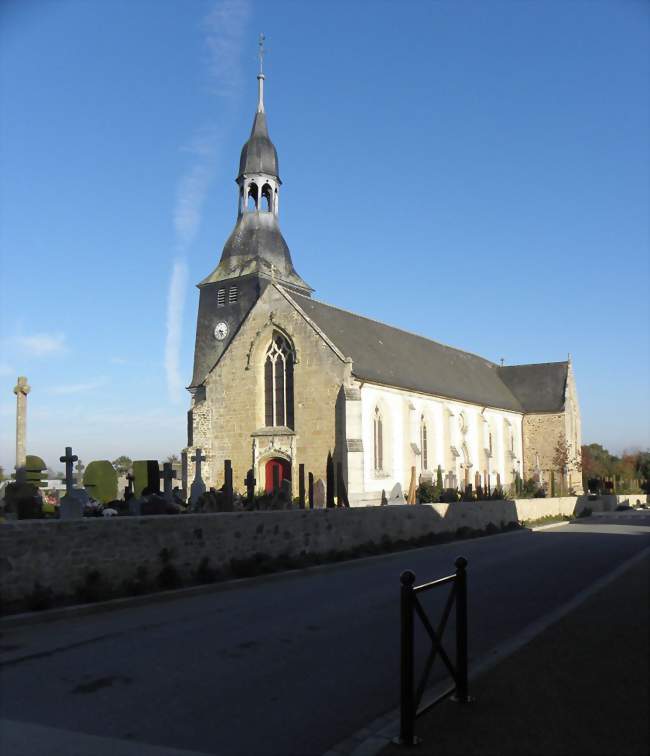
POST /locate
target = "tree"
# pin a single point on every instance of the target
(174, 459)
(122, 464)
(564, 460)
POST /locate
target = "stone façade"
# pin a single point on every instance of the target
(228, 414)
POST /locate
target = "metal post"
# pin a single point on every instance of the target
(461, 695)
(407, 716)
(301, 486)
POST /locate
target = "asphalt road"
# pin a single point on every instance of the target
(290, 665)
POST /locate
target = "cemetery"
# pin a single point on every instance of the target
(103, 540)
(102, 545)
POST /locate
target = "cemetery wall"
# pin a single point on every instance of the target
(60, 553)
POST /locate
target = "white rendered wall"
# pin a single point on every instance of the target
(402, 411)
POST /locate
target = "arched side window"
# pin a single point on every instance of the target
(378, 440)
(278, 383)
(424, 446)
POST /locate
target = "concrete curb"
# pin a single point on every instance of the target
(81, 610)
(373, 738)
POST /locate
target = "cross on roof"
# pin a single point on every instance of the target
(261, 51)
(69, 458)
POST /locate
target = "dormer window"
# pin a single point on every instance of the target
(232, 295)
(221, 297)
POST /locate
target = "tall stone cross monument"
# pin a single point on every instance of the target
(21, 389)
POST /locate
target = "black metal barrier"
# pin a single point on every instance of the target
(410, 606)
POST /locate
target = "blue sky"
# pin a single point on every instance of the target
(473, 171)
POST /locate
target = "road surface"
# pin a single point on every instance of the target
(293, 664)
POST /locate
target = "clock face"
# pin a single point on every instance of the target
(220, 331)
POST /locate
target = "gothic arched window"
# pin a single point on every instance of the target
(278, 383)
(378, 440)
(424, 446)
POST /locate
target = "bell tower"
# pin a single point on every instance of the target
(255, 253)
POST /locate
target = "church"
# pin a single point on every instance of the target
(282, 379)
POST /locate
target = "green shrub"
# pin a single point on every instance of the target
(100, 480)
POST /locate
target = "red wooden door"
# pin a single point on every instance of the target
(284, 471)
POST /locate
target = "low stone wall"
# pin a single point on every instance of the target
(58, 554)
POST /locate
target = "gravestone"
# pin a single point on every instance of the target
(285, 494)
(72, 504)
(396, 494)
(198, 486)
(168, 475)
(329, 497)
(250, 482)
(319, 494)
(147, 476)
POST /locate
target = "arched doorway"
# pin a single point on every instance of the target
(284, 471)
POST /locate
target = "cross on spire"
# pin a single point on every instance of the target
(260, 76)
(69, 458)
(261, 52)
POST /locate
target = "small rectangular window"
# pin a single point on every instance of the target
(232, 294)
(221, 297)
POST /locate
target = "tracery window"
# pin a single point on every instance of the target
(378, 440)
(278, 383)
(424, 448)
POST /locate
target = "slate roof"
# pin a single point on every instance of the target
(259, 155)
(539, 387)
(256, 245)
(387, 355)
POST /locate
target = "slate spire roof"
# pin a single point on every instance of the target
(256, 244)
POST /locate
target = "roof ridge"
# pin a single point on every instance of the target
(535, 364)
(396, 328)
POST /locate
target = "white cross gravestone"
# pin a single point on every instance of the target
(198, 486)
(168, 475)
(319, 494)
(72, 505)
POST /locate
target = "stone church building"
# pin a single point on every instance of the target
(281, 379)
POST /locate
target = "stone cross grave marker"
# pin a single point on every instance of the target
(198, 486)
(319, 494)
(69, 459)
(71, 506)
(250, 483)
(130, 477)
(168, 474)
